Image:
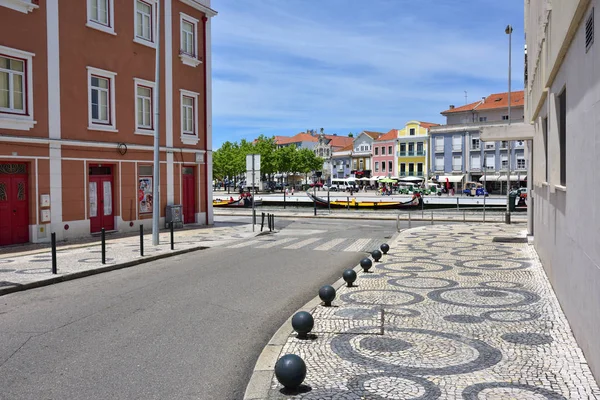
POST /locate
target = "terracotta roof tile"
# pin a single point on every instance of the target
(372, 134)
(428, 125)
(347, 148)
(496, 100)
(298, 138)
(391, 135)
(339, 141)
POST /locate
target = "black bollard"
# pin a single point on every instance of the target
(376, 254)
(385, 248)
(53, 236)
(262, 221)
(284, 200)
(302, 322)
(103, 236)
(327, 294)
(273, 220)
(290, 371)
(172, 238)
(366, 263)
(349, 276)
(142, 240)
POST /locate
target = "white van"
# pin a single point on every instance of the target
(343, 185)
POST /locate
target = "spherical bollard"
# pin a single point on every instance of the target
(366, 263)
(290, 371)
(385, 248)
(327, 294)
(349, 276)
(376, 254)
(302, 322)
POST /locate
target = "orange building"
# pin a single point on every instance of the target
(77, 86)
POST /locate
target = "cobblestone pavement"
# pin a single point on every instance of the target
(447, 314)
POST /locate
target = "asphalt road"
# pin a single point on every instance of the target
(187, 327)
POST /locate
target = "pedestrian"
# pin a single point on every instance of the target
(287, 191)
(292, 190)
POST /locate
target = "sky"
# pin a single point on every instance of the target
(284, 66)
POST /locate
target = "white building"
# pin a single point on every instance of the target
(562, 104)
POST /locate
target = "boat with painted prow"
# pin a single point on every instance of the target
(353, 203)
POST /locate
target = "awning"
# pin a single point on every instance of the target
(490, 178)
(411, 179)
(513, 178)
(451, 178)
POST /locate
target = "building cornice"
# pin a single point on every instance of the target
(209, 12)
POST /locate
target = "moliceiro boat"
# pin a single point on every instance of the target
(241, 202)
(353, 203)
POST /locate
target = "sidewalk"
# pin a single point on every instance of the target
(447, 314)
(28, 266)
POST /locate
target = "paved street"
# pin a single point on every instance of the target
(448, 314)
(185, 327)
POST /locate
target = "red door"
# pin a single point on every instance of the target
(189, 195)
(100, 194)
(14, 204)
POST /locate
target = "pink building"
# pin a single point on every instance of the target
(384, 157)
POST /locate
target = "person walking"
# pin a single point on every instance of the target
(292, 190)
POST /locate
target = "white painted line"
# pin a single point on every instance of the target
(303, 243)
(329, 245)
(275, 243)
(358, 245)
(245, 244)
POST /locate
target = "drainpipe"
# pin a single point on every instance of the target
(204, 19)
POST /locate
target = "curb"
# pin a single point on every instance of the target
(260, 382)
(96, 271)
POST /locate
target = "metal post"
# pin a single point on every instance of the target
(271, 227)
(484, 184)
(284, 199)
(409, 221)
(142, 240)
(508, 31)
(273, 220)
(457, 207)
(172, 237)
(102, 235)
(315, 194)
(432, 217)
(328, 201)
(253, 210)
(156, 173)
(464, 216)
(262, 222)
(348, 202)
(422, 208)
(53, 236)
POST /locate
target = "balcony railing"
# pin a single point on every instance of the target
(402, 173)
(411, 173)
(402, 153)
(419, 173)
(411, 153)
(442, 128)
(439, 149)
(420, 153)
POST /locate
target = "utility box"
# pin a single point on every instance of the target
(174, 215)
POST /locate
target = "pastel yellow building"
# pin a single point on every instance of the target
(413, 147)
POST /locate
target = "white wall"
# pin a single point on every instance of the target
(567, 221)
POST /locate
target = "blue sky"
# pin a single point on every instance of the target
(283, 66)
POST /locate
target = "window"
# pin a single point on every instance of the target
(101, 100)
(475, 143)
(101, 15)
(504, 161)
(390, 152)
(189, 117)
(504, 144)
(476, 162)
(411, 149)
(412, 131)
(545, 138)
(16, 89)
(376, 151)
(376, 166)
(456, 163)
(402, 148)
(439, 163)
(490, 145)
(520, 143)
(482, 119)
(456, 143)
(490, 162)
(439, 144)
(521, 161)
(420, 148)
(589, 31)
(505, 118)
(562, 135)
(354, 164)
(390, 166)
(402, 169)
(411, 169)
(361, 164)
(383, 166)
(144, 122)
(383, 150)
(420, 169)
(189, 40)
(144, 28)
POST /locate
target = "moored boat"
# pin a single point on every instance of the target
(242, 202)
(353, 203)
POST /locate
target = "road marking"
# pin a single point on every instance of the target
(329, 245)
(303, 243)
(275, 243)
(358, 245)
(244, 244)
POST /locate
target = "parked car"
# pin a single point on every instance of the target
(520, 192)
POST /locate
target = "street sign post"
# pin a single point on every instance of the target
(253, 166)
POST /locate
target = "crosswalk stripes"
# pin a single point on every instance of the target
(302, 243)
(245, 244)
(329, 245)
(358, 245)
(276, 243)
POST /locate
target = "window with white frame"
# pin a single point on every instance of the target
(456, 163)
(504, 144)
(456, 143)
(490, 162)
(439, 163)
(376, 151)
(144, 99)
(503, 161)
(475, 162)
(361, 164)
(376, 166)
(101, 16)
(188, 51)
(24, 6)
(412, 132)
(482, 119)
(390, 166)
(101, 100)
(16, 89)
(144, 18)
(383, 150)
(439, 143)
(383, 166)
(189, 117)
(521, 161)
(505, 118)
(390, 152)
(475, 143)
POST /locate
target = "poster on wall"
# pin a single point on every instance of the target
(93, 200)
(145, 194)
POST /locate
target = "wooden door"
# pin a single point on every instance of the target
(100, 196)
(14, 204)
(189, 195)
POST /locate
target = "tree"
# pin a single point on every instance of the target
(285, 160)
(306, 161)
(225, 161)
(351, 134)
(266, 147)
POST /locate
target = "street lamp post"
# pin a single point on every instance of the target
(508, 31)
